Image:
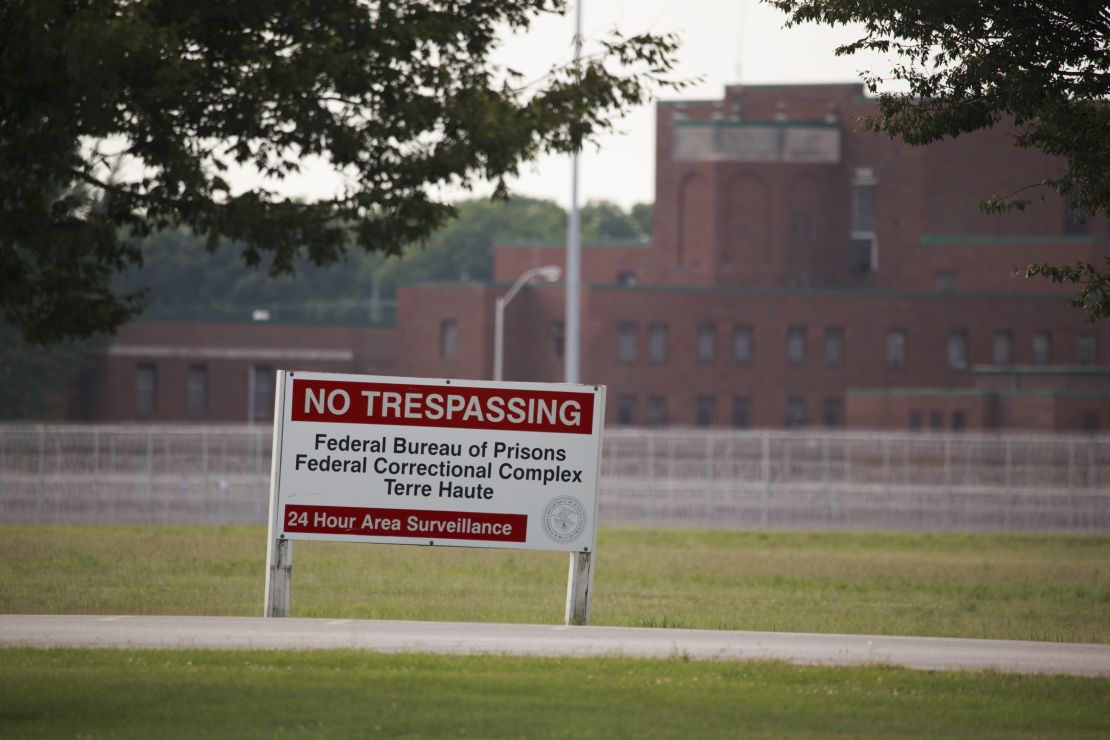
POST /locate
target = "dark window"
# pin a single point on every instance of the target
(834, 346)
(626, 410)
(657, 343)
(626, 278)
(796, 345)
(1076, 221)
(795, 412)
(707, 343)
(705, 411)
(957, 349)
(743, 347)
(946, 281)
(1002, 348)
(262, 393)
(896, 348)
(1042, 348)
(936, 421)
(863, 207)
(448, 338)
(1090, 422)
(146, 388)
(832, 413)
(626, 341)
(742, 412)
(657, 411)
(861, 255)
(915, 421)
(959, 421)
(556, 340)
(196, 390)
(1087, 348)
(803, 228)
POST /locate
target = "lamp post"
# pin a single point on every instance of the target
(547, 273)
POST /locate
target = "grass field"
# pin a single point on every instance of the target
(165, 694)
(1014, 587)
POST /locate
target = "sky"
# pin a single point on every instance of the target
(723, 42)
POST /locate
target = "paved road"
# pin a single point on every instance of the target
(926, 653)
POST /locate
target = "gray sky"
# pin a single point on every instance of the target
(723, 42)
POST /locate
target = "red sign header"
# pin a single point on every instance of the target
(461, 407)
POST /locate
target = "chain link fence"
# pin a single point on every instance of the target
(720, 479)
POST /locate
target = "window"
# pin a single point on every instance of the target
(896, 349)
(1089, 422)
(262, 393)
(864, 254)
(863, 204)
(832, 413)
(959, 421)
(556, 340)
(1002, 348)
(196, 390)
(448, 339)
(657, 343)
(1076, 221)
(957, 349)
(915, 421)
(796, 345)
(834, 346)
(743, 347)
(742, 412)
(626, 279)
(1087, 348)
(705, 411)
(707, 343)
(860, 255)
(795, 412)
(626, 341)
(936, 421)
(803, 228)
(657, 411)
(1042, 348)
(946, 281)
(146, 388)
(626, 410)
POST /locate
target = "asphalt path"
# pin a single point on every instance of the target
(465, 638)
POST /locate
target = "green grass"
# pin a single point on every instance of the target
(168, 694)
(1012, 587)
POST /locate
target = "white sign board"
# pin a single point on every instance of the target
(362, 458)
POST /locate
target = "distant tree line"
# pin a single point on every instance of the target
(183, 280)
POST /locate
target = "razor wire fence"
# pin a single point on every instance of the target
(673, 477)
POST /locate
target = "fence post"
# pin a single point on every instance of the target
(766, 477)
(40, 498)
(1071, 485)
(150, 469)
(825, 475)
(1010, 497)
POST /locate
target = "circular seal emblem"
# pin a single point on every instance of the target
(564, 518)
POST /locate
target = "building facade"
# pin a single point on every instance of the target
(801, 272)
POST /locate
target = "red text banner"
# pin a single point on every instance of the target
(451, 406)
(417, 524)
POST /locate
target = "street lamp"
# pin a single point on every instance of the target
(548, 274)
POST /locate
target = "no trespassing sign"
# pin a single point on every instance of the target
(443, 462)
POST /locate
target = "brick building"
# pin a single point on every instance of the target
(801, 272)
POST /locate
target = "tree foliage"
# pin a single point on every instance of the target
(120, 118)
(1043, 64)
